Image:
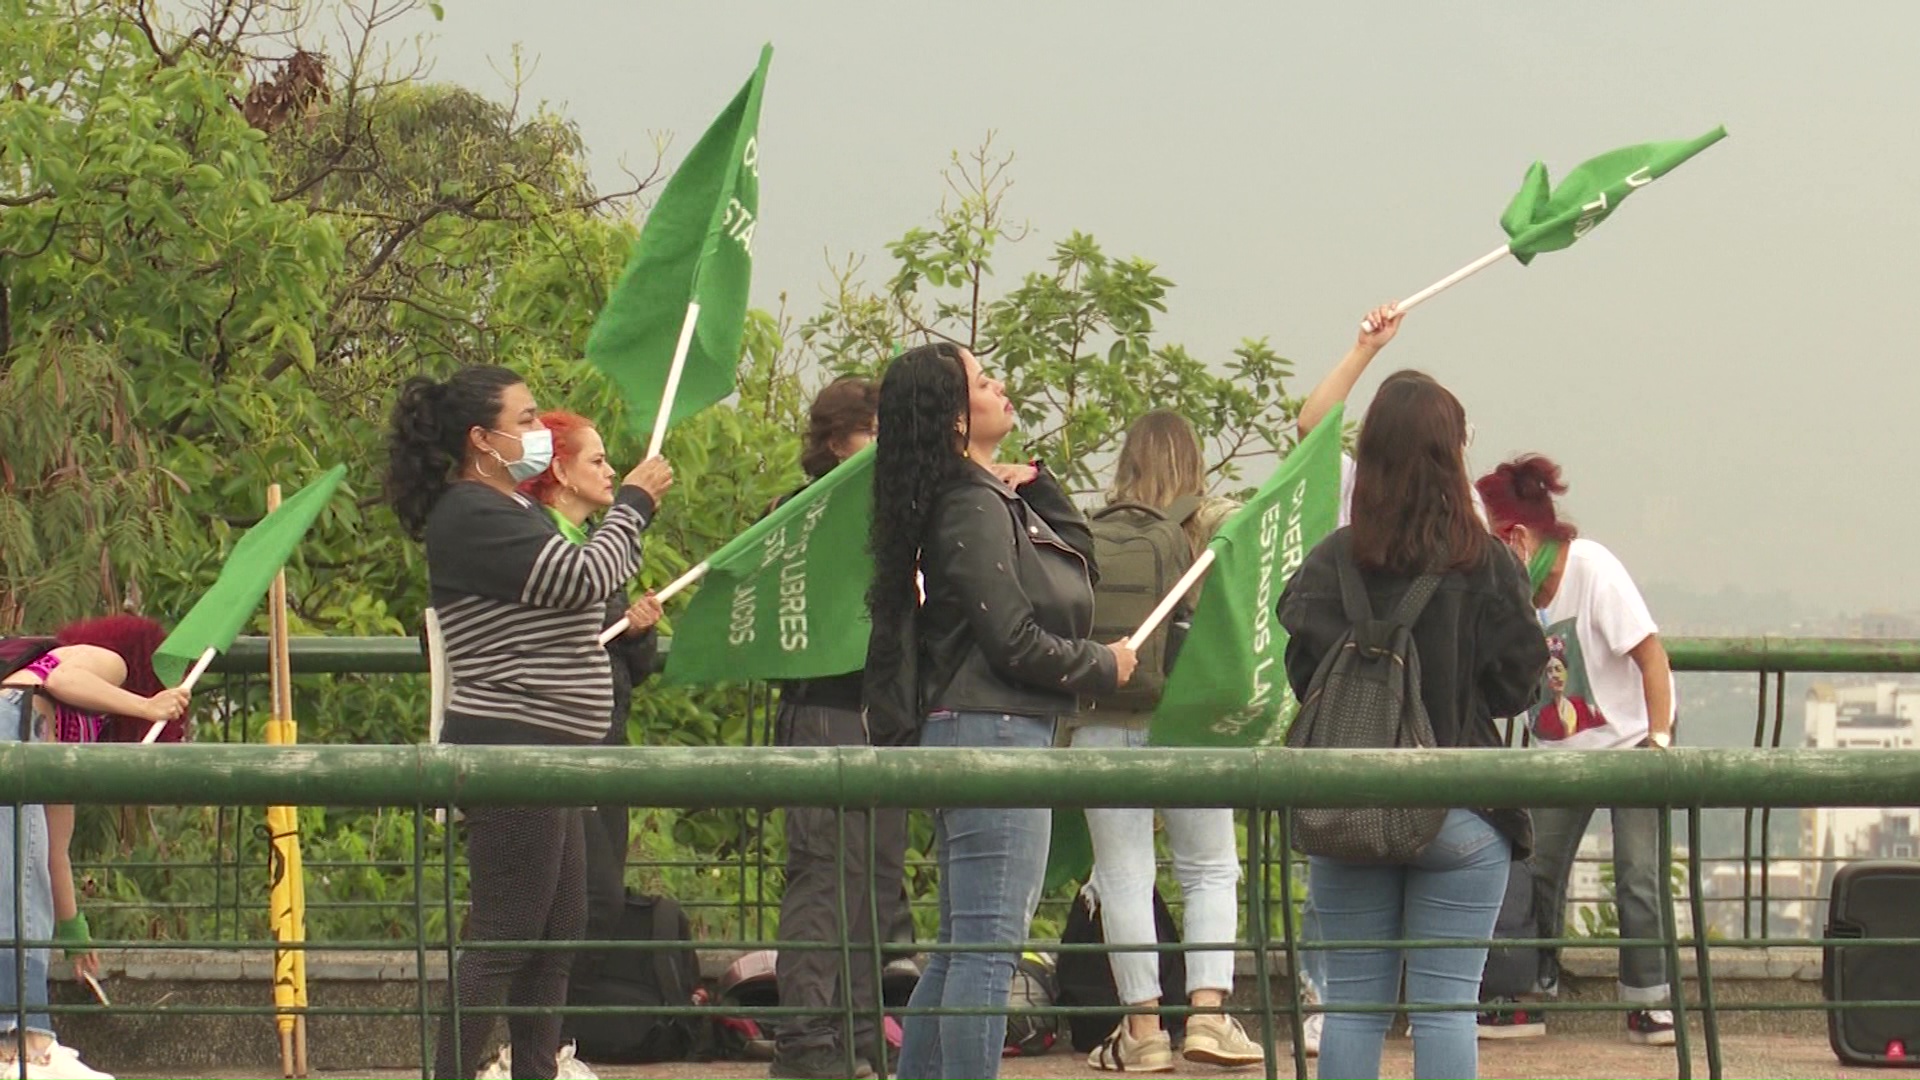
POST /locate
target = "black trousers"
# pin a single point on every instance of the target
(526, 872)
(810, 910)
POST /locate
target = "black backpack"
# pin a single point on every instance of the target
(1086, 978)
(636, 977)
(1366, 696)
(1141, 552)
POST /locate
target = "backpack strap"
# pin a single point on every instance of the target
(1415, 602)
(1183, 508)
(666, 927)
(1135, 507)
(1353, 592)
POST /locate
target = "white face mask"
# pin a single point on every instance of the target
(536, 453)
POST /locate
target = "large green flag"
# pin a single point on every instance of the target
(219, 616)
(695, 249)
(787, 599)
(1543, 218)
(1229, 686)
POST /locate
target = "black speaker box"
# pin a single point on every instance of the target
(1874, 900)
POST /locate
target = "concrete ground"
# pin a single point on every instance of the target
(1755, 1056)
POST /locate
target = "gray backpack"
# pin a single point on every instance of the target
(1366, 696)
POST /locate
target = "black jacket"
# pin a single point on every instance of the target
(1009, 604)
(633, 658)
(1481, 648)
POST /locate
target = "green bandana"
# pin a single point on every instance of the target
(1540, 567)
(567, 528)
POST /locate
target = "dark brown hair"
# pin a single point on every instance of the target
(844, 407)
(1412, 502)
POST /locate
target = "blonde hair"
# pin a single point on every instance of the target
(1160, 462)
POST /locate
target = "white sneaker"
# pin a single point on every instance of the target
(498, 1067)
(57, 1066)
(1310, 1033)
(572, 1068)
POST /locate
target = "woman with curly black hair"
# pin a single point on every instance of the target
(521, 607)
(982, 600)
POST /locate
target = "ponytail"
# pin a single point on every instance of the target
(426, 441)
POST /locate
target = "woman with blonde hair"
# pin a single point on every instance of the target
(1160, 484)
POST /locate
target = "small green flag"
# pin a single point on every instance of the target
(1540, 219)
(1229, 686)
(696, 248)
(787, 599)
(219, 616)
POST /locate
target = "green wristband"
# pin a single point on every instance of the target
(74, 933)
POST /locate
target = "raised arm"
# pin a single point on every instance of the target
(1339, 382)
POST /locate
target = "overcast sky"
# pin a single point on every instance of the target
(1724, 368)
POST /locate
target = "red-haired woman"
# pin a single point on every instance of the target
(1610, 687)
(578, 485)
(93, 683)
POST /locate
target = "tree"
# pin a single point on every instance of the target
(1075, 343)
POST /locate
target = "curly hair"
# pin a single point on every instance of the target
(569, 437)
(920, 449)
(427, 441)
(844, 407)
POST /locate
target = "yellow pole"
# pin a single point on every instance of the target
(287, 887)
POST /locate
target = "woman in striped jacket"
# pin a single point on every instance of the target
(521, 608)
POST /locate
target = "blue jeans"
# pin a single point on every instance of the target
(1452, 890)
(36, 887)
(992, 863)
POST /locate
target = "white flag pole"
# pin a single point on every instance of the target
(663, 596)
(673, 380)
(1165, 607)
(1445, 283)
(193, 676)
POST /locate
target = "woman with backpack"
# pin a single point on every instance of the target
(982, 603)
(1157, 521)
(1415, 537)
(92, 682)
(1609, 686)
(521, 608)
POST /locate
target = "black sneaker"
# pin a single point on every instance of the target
(1510, 1021)
(1650, 1027)
(816, 1063)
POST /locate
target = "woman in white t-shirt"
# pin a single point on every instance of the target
(1608, 686)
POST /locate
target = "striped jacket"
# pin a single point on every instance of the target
(521, 609)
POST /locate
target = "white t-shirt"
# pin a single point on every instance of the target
(1594, 698)
(1348, 469)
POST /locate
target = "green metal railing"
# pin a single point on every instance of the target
(1262, 781)
(753, 778)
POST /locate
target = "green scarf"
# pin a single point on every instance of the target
(1540, 567)
(575, 533)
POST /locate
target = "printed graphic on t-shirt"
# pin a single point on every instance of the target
(1567, 708)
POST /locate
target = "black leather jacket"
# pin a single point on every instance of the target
(1009, 604)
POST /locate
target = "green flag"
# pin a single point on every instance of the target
(1229, 687)
(787, 599)
(1540, 219)
(219, 616)
(696, 248)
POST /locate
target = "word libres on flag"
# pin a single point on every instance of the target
(786, 599)
(1229, 686)
(669, 335)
